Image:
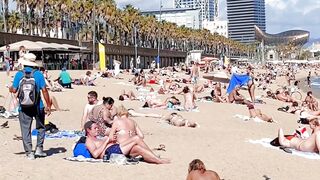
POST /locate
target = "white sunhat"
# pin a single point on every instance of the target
(29, 59)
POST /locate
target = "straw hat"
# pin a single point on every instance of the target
(29, 59)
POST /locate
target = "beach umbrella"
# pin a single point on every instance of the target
(218, 77)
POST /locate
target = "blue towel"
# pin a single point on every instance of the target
(61, 134)
(238, 79)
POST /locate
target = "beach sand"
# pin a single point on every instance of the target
(220, 142)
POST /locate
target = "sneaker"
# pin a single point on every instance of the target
(31, 156)
(39, 152)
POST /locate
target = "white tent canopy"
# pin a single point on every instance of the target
(39, 46)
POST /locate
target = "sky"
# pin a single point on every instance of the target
(281, 15)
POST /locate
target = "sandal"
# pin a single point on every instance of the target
(161, 147)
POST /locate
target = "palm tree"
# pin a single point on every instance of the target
(14, 22)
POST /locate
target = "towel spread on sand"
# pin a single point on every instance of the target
(116, 161)
(9, 115)
(266, 143)
(247, 118)
(62, 134)
(123, 83)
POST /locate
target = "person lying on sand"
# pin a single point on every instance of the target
(311, 144)
(129, 95)
(303, 112)
(133, 113)
(284, 96)
(197, 171)
(256, 113)
(157, 103)
(99, 147)
(177, 120)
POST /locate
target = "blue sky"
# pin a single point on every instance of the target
(281, 15)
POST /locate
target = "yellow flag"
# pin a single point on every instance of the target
(226, 61)
(102, 57)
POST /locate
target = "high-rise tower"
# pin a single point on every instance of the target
(206, 7)
(242, 16)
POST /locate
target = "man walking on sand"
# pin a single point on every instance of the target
(195, 72)
(28, 84)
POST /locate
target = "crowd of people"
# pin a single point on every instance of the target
(113, 130)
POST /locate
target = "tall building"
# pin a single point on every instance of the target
(217, 26)
(188, 17)
(242, 16)
(206, 7)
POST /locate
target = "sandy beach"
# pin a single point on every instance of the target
(221, 142)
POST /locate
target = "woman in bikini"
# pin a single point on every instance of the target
(127, 132)
(177, 120)
(311, 144)
(127, 95)
(189, 99)
(170, 102)
(256, 113)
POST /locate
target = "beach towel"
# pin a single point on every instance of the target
(266, 143)
(247, 118)
(180, 108)
(123, 83)
(62, 134)
(237, 80)
(9, 115)
(83, 159)
(116, 160)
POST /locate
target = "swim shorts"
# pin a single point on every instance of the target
(114, 149)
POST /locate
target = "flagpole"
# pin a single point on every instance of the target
(159, 37)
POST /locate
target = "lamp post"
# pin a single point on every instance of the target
(159, 37)
(135, 44)
(94, 35)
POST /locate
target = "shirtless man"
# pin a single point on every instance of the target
(127, 131)
(311, 102)
(197, 171)
(311, 144)
(195, 72)
(92, 101)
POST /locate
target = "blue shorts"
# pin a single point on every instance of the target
(114, 149)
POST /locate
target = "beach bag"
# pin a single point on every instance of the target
(2, 109)
(27, 91)
(51, 127)
(80, 149)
